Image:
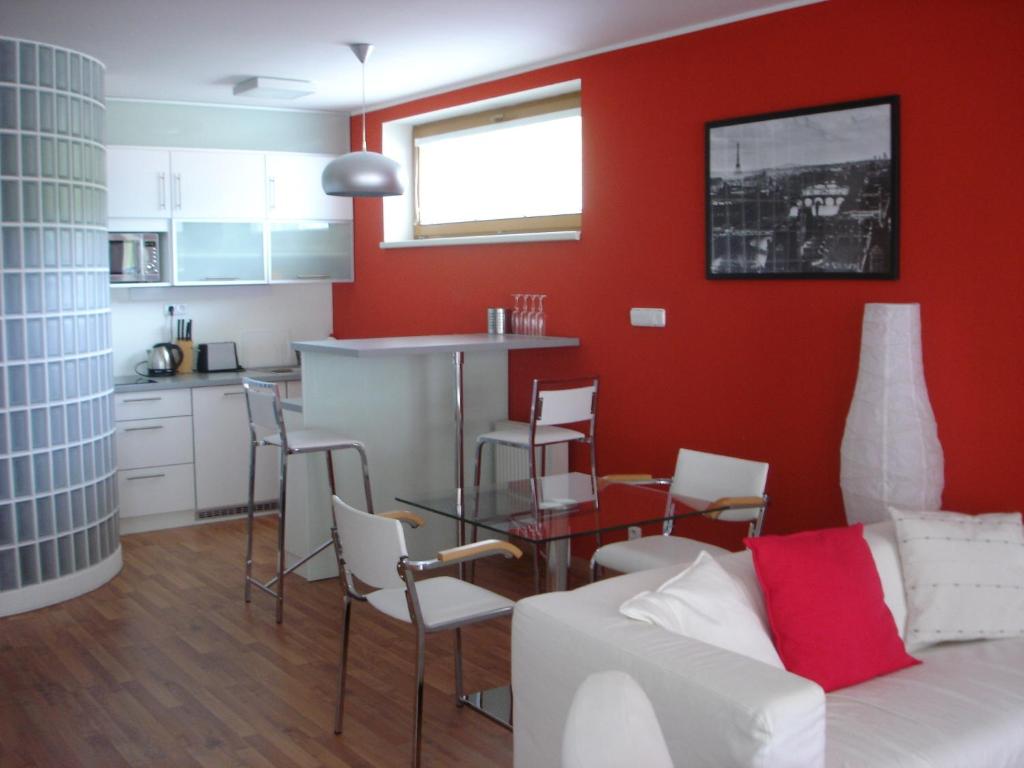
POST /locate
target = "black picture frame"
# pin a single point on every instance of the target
(805, 193)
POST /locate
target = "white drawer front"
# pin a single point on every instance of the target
(152, 405)
(154, 442)
(152, 490)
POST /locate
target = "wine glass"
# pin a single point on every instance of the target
(517, 314)
(531, 315)
(541, 323)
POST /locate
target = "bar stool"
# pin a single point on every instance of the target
(263, 402)
(555, 404)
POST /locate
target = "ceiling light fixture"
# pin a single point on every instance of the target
(273, 88)
(362, 174)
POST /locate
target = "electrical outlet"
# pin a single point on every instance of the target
(176, 310)
(651, 317)
(634, 532)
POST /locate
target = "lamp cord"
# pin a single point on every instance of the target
(364, 104)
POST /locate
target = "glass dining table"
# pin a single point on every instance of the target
(565, 509)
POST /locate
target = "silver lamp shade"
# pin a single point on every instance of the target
(362, 174)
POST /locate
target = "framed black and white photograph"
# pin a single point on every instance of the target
(807, 193)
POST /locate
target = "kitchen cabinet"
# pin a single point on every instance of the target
(233, 216)
(155, 456)
(294, 189)
(138, 183)
(221, 434)
(310, 250)
(218, 184)
(209, 252)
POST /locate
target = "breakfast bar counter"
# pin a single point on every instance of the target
(415, 402)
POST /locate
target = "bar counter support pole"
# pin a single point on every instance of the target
(458, 361)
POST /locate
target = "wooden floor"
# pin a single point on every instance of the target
(167, 666)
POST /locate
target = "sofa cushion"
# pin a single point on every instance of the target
(826, 607)
(962, 708)
(703, 602)
(964, 575)
(881, 539)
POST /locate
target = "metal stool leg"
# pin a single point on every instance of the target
(346, 620)
(417, 723)
(249, 521)
(460, 694)
(366, 477)
(282, 505)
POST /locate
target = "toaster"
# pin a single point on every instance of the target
(218, 356)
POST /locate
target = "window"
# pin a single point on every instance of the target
(513, 169)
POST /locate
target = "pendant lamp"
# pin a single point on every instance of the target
(362, 174)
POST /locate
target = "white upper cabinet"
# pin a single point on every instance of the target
(294, 190)
(217, 185)
(138, 183)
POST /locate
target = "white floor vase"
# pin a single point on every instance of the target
(890, 454)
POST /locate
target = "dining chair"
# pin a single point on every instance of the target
(731, 489)
(267, 429)
(376, 569)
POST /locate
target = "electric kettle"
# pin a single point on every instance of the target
(164, 359)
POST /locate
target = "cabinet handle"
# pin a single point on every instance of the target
(161, 189)
(141, 399)
(311, 277)
(177, 191)
(233, 394)
(222, 278)
(143, 429)
(146, 477)
(272, 189)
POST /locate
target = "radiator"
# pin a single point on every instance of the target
(511, 463)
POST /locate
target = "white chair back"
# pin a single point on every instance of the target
(709, 476)
(371, 546)
(264, 404)
(611, 723)
(565, 406)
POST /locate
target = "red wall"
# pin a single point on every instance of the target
(759, 369)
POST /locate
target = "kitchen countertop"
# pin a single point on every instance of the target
(411, 345)
(191, 380)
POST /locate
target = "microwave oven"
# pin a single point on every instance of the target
(134, 257)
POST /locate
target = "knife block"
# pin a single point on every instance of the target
(187, 356)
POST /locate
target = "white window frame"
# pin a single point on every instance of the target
(397, 143)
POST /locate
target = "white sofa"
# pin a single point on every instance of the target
(963, 707)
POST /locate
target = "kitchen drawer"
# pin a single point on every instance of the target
(154, 442)
(152, 405)
(152, 490)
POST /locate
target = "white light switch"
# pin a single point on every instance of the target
(651, 317)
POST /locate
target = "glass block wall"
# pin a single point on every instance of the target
(58, 497)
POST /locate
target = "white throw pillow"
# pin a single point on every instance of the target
(705, 603)
(963, 575)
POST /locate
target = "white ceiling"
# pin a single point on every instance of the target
(196, 50)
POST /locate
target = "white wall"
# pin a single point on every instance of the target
(263, 319)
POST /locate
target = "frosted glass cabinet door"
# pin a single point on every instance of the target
(210, 184)
(138, 183)
(311, 250)
(218, 252)
(294, 190)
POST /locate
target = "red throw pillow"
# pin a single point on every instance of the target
(824, 601)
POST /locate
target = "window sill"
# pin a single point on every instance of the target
(515, 237)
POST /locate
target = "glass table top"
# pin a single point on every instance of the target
(565, 507)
